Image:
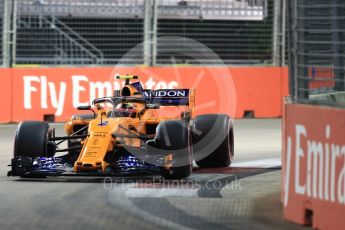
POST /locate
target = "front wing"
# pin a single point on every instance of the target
(57, 166)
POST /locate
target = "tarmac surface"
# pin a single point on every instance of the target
(243, 196)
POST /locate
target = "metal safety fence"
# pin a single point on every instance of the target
(317, 51)
(243, 37)
(80, 32)
(128, 32)
(1, 31)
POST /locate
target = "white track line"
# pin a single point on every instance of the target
(161, 192)
(262, 163)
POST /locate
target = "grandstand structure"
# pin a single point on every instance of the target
(102, 32)
(182, 9)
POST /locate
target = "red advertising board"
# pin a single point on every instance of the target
(314, 166)
(33, 93)
(6, 95)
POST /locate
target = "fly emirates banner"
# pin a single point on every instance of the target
(32, 93)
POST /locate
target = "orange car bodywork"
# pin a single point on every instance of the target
(104, 133)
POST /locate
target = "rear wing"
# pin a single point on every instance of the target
(170, 97)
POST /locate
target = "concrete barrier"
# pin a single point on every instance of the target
(39, 93)
(6, 86)
(313, 188)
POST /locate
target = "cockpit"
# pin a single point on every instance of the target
(124, 110)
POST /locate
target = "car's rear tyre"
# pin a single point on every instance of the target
(31, 139)
(213, 140)
(173, 139)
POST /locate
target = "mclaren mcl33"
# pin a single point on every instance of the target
(126, 134)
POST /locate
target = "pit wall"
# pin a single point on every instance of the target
(313, 161)
(33, 93)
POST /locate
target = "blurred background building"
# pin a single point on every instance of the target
(102, 32)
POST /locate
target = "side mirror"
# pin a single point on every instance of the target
(87, 107)
(151, 106)
(84, 107)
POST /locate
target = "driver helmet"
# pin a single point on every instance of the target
(127, 110)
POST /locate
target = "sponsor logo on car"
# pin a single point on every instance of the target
(104, 123)
(166, 93)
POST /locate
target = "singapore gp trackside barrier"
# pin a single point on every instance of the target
(37, 93)
(6, 95)
(314, 166)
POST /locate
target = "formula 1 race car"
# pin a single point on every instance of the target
(126, 134)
